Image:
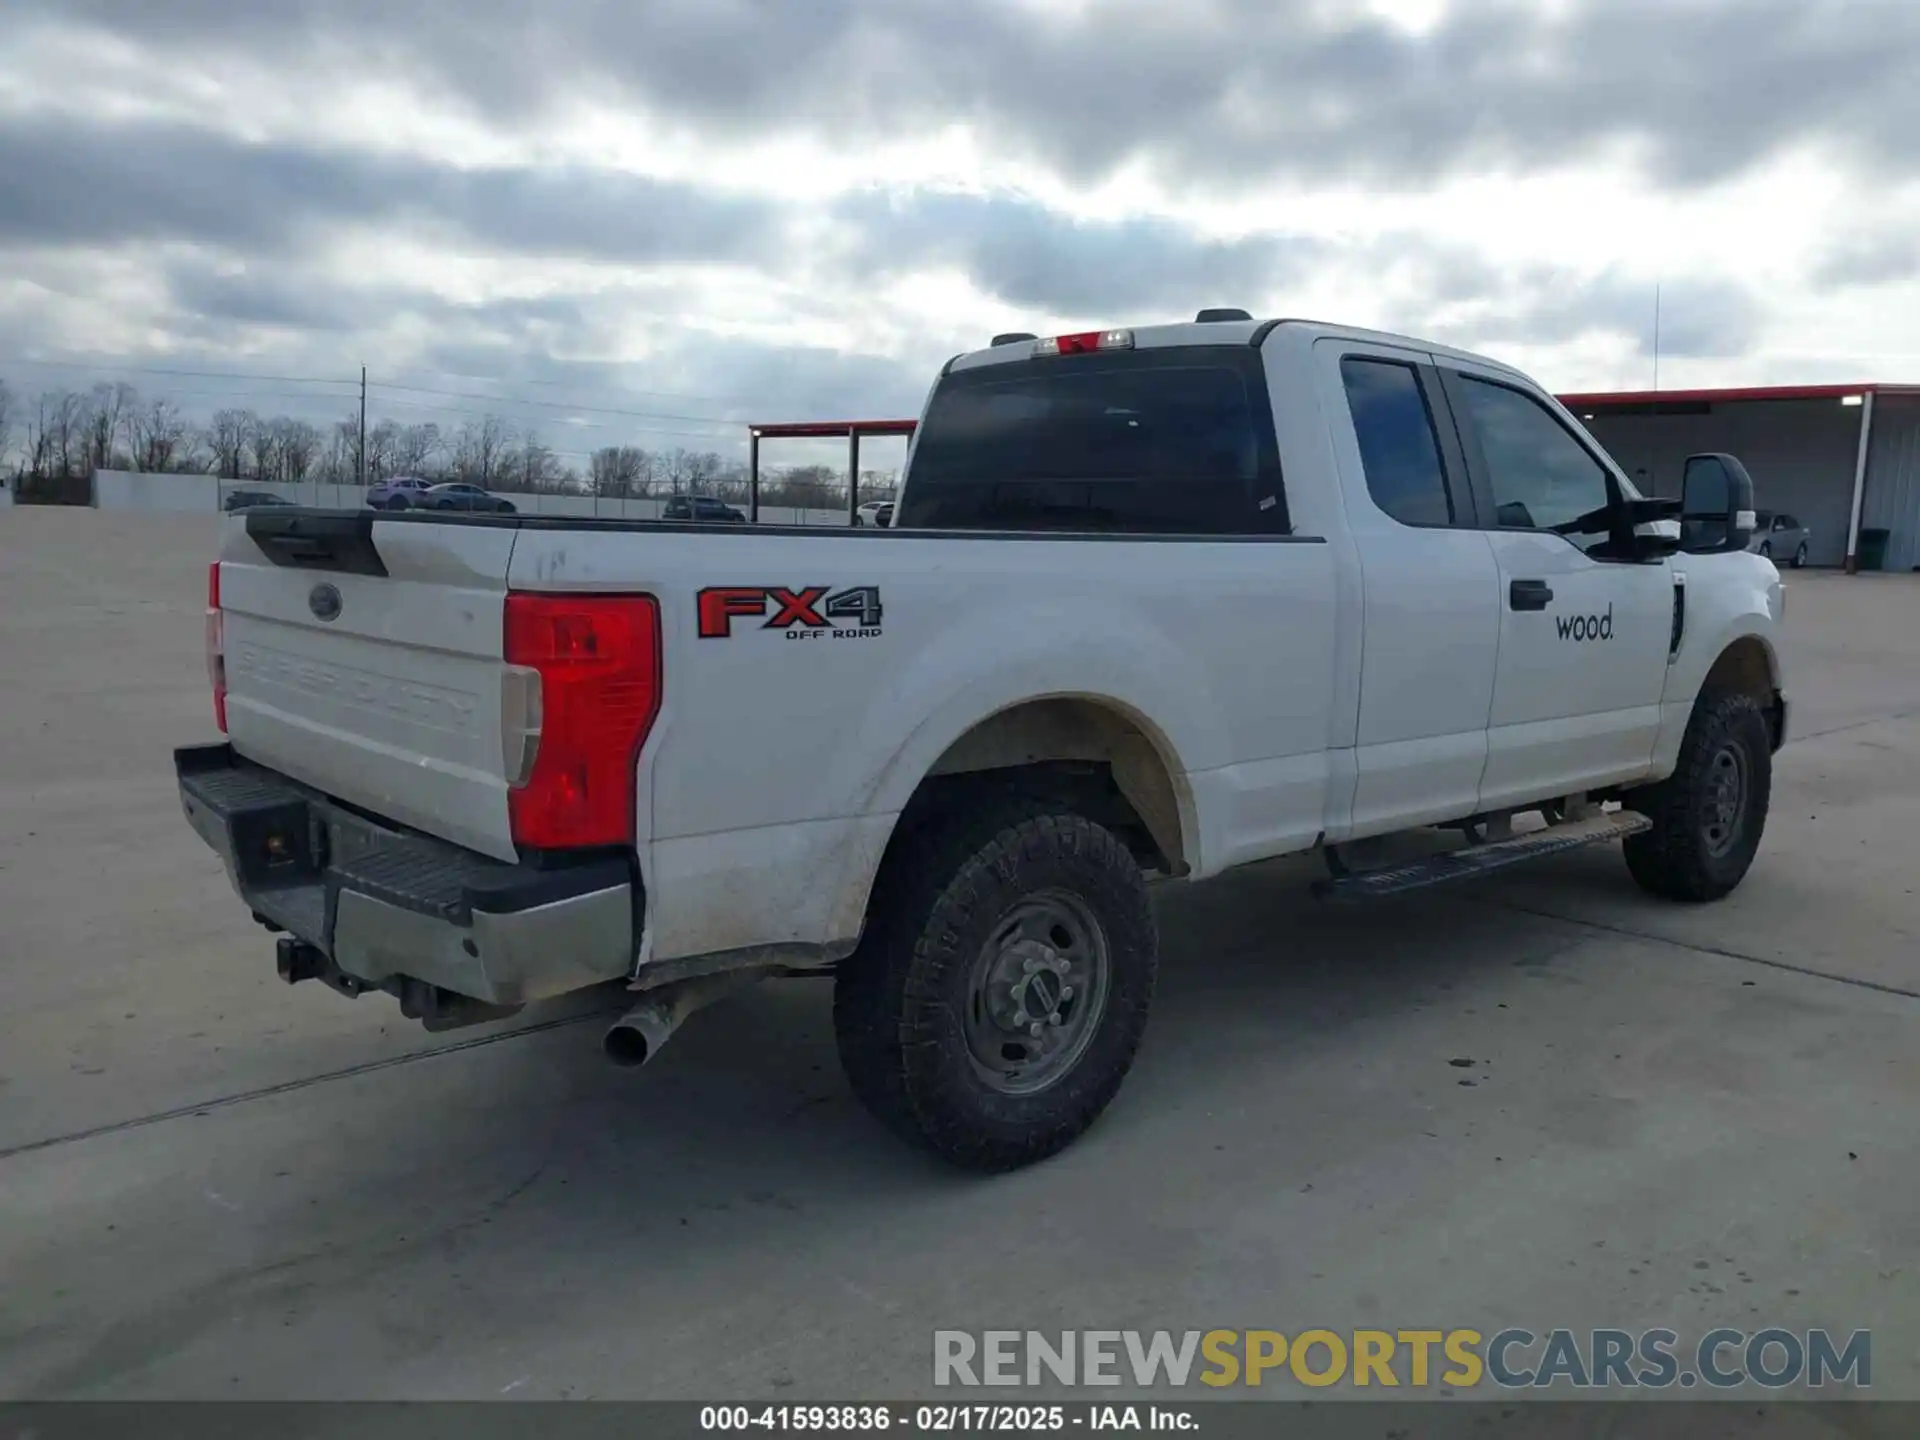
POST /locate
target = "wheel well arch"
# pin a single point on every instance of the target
(1747, 665)
(1097, 754)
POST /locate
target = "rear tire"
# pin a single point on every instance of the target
(987, 926)
(1708, 816)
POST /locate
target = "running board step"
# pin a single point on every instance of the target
(1479, 859)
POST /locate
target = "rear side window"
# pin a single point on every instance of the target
(1399, 450)
(1169, 441)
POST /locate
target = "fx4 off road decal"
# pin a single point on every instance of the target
(1585, 627)
(805, 612)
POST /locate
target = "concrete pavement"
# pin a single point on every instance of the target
(212, 1185)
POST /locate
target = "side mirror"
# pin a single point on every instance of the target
(1716, 505)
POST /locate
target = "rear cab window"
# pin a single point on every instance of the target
(1173, 440)
(1399, 444)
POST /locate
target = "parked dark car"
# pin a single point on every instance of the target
(397, 493)
(456, 495)
(702, 507)
(248, 499)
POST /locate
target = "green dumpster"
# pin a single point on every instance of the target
(1873, 549)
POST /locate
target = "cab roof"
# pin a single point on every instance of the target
(1229, 332)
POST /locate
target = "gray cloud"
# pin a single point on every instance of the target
(1218, 94)
(64, 182)
(1699, 317)
(1032, 256)
(1876, 257)
(1457, 296)
(1214, 90)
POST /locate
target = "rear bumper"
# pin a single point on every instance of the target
(387, 906)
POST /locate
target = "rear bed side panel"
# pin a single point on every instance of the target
(772, 777)
(394, 703)
(1183, 636)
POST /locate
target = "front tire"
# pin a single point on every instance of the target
(1708, 815)
(1800, 556)
(1001, 988)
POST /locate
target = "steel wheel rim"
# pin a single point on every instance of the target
(1036, 993)
(1725, 803)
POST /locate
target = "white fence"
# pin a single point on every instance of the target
(127, 490)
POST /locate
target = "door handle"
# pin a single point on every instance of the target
(1529, 595)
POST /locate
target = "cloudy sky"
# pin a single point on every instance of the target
(656, 218)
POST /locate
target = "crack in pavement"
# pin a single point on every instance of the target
(1787, 965)
(1797, 739)
(285, 1087)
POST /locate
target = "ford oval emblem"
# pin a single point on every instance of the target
(324, 601)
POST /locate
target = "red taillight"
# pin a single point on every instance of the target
(597, 663)
(216, 648)
(1084, 343)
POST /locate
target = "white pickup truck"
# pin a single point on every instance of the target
(1156, 603)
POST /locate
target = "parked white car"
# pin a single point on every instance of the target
(1780, 537)
(1160, 602)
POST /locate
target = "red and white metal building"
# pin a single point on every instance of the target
(1839, 458)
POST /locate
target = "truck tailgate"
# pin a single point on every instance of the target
(363, 658)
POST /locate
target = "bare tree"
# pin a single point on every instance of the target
(39, 452)
(674, 466)
(702, 470)
(535, 469)
(68, 424)
(808, 487)
(481, 450)
(229, 435)
(620, 470)
(55, 464)
(343, 445)
(107, 409)
(299, 444)
(263, 443)
(417, 449)
(730, 482)
(383, 444)
(157, 437)
(8, 418)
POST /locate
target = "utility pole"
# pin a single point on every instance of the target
(1656, 337)
(360, 459)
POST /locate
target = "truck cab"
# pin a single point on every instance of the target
(1519, 641)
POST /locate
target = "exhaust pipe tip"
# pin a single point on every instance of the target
(639, 1035)
(627, 1045)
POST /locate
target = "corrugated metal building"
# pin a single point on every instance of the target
(1840, 458)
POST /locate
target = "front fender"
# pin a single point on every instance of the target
(1730, 599)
